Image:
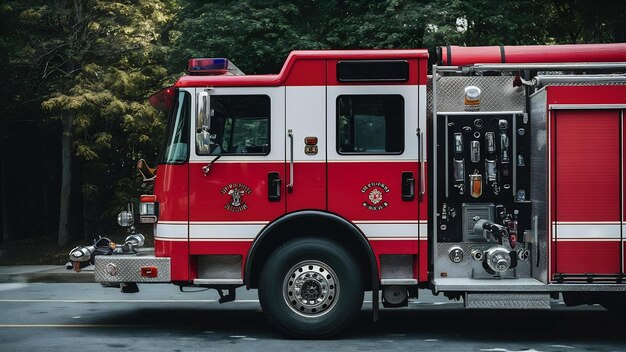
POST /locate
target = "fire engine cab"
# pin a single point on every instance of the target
(497, 178)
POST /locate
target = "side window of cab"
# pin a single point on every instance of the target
(370, 124)
(240, 125)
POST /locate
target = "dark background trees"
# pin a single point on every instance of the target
(76, 76)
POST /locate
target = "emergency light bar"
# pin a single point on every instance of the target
(212, 66)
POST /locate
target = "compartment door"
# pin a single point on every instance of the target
(586, 187)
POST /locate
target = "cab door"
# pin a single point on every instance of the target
(373, 169)
(236, 175)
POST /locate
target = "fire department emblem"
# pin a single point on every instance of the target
(375, 196)
(236, 192)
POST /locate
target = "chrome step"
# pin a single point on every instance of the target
(519, 300)
(489, 285)
(218, 282)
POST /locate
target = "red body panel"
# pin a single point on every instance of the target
(423, 261)
(348, 185)
(178, 252)
(307, 73)
(598, 257)
(220, 247)
(209, 199)
(587, 95)
(459, 56)
(310, 190)
(171, 189)
(587, 141)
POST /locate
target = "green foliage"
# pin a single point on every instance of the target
(258, 35)
(96, 61)
(255, 35)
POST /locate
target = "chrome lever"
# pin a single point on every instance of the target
(290, 185)
(206, 168)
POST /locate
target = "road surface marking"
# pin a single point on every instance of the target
(117, 301)
(71, 326)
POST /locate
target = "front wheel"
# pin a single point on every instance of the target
(311, 288)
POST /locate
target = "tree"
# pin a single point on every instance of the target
(97, 60)
(601, 21)
(256, 35)
(521, 22)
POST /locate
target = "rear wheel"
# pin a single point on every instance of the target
(311, 287)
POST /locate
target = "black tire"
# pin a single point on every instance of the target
(311, 288)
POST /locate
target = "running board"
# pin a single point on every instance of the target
(209, 282)
(398, 282)
(489, 285)
(491, 300)
(518, 285)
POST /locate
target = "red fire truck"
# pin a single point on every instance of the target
(497, 178)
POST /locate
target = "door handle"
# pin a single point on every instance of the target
(290, 185)
(408, 186)
(273, 186)
(422, 166)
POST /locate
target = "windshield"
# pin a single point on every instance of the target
(175, 149)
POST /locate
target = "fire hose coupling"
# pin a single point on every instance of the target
(135, 240)
(496, 230)
(101, 245)
(477, 254)
(498, 259)
(82, 256)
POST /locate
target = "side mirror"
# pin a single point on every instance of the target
(147, 173)
(203, 123)
(204, 111)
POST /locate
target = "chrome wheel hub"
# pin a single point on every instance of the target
(310, 288)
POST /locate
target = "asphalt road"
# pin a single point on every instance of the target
(87, 317)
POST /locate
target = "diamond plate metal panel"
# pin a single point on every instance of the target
(499, 286)
(128, 268)
(589, 83)
(429, 98)
(219, 267)
(539, 185)
(497, 93)
(507, 300)
(396, 266)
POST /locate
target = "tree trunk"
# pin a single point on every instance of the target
(4, 197)
(66, 179)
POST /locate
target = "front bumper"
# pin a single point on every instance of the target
(142, 267)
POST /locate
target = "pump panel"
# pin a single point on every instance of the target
(483, 190)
